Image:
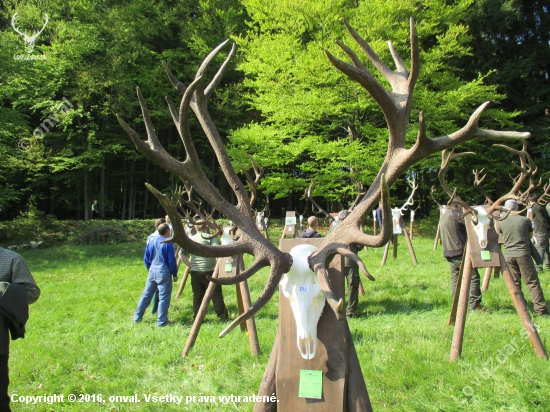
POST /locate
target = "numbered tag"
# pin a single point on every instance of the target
(311, 384)
(485, 255)
(290, 220)
(303, 289)
(229, 267)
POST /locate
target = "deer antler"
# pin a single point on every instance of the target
(253, 183)
(360, 193)
(446, 157)
(477, 183)
(250, 240)
(30, 40)
(201, 217)
(396, 105)
(545, 197)
(527, 169)
(410, 202)
(314, 204)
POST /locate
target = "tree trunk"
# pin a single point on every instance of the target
(146, 190)
(87, 204)
(102, 191)
(123, 190)
(132, 194)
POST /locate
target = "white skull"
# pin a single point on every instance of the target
(306, 298)
(226, 238)
(443, 209)
(412, 215)
(483, 222)
(259, 218)
(396, 217)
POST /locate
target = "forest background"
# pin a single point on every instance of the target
(61, 146)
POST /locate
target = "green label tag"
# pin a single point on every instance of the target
(229, 267)
(485, 255)
(311, 384)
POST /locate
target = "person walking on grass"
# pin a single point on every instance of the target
(151, 237)
(161, 263)
(18, 289)
(95, 210)
(452, 231)
(517, 231)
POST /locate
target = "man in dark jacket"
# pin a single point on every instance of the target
(542, 228)
(453, 238)
(311, 231)
(517, 252)
(17, 290)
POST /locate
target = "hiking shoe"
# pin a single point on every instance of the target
(479, 308)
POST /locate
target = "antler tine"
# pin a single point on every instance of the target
(360, 193)
(414, 186)
(526, 170)
(314, 204)
(446, 157)
(432, 191)
(253, 183)
(477, 183)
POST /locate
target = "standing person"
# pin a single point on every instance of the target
(160, 262)
(516, 231)
(151, 237)
(18, 289)
(201, 267)
(95, 210)
(453, 238)
(542, 228)
(351, 271)
(311, 231)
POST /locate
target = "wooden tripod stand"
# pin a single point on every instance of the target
(227, 267)
(395, 237)
(472, 257)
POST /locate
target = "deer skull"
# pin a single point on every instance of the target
(306, 298)
(396, 214)
(482, 226)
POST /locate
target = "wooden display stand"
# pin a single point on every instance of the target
(290, 225)
(343, 384)
(473, 258)
(227, 267)
(395, 237)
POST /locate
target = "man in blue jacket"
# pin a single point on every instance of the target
(160, 261)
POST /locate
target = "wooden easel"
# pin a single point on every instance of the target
(344, 387)
(290, 225)
(395, 237)
(472, 258)
(227, 267)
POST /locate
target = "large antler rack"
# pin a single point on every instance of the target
(250, 240)
(412, 183)
(446, 157)
(396, 105)
(545, 197)
(314, 204)
(527, 169)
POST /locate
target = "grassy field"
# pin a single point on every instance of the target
(81, 340)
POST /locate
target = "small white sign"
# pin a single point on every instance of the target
(303, 289)
(290, 220)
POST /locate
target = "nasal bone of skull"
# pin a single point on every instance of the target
(482, 226)
(301, 288)
(226, 238)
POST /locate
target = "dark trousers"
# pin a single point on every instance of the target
(352, 276)
(542, 248)
(199, 284)
(523, 267)
(475, 290)
(4, 383)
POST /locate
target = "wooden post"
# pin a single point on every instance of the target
(374, 227)
(458, 336)
(183, 282)
(361, 289)
(486, 279)
(395, 246)
(386, 252)
(409, 243)
(201, 314)
(456, 295)
(247, 303)
(267, 386)
(436, 238)
(412, 229)
(521, 308)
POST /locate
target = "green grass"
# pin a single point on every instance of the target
(81, 339)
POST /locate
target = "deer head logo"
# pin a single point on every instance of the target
(30, 40)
